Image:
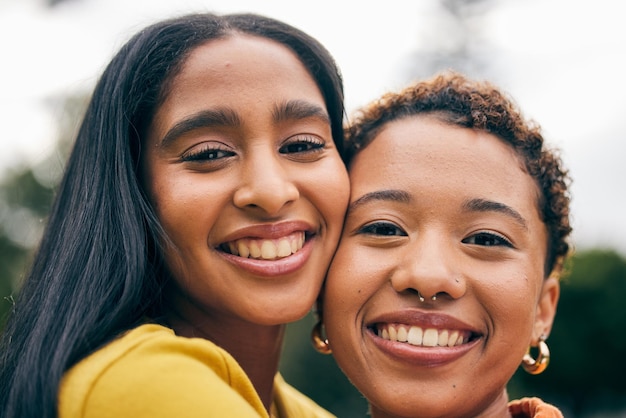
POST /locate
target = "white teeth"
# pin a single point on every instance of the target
(296, 244)
(402, 335)
(243, 250)
(453, 338)
(393, 334)
(284, 248)
(430, 337)
(415, 336)
(267, 249)
(255, 250)
(443, 338)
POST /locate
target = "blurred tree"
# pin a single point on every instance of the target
(25, 197)
(24, 202)
(53, 3)
(455, 41)
(12, 258)
(588, 342)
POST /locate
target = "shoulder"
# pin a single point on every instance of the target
(533, 408)
(149, 371)
(290, 402)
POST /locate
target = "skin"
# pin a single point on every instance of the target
(239, 154)
(484, 262)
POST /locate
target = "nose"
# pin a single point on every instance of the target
(429, 269)
(265, 184)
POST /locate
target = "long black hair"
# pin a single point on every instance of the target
(98, 270)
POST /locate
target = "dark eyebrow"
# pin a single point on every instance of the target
(299, 109)
(385, 195)
(483, 205)
(203, 119)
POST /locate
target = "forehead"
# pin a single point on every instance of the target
(240, 58)
(243, 74)
(430, 158)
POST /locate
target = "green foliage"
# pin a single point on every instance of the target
(12, 258)
(26, 194)
(23, 190)
(318, 375)
(25, 202)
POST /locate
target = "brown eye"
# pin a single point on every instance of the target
(382, 229)
(488, 239)
(208, 153)
(302, 144)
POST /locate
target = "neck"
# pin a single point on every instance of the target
(498, 408)
(255, 347)
(257, 350)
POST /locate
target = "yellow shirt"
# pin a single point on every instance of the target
(151, 372)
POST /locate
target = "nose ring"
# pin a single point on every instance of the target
(422, 299)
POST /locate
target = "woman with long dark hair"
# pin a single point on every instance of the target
(198, 214)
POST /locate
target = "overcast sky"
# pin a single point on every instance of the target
(564, 61)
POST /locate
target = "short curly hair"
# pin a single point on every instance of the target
(458, 100)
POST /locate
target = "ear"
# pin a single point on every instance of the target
(546, 308)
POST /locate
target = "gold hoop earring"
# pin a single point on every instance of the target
(536, 366)
(320, 343)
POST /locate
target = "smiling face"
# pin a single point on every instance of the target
(447, 212)
(244, 176)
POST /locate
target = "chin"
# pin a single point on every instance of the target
(275, 315)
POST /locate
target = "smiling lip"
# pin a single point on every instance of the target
(269, 250)
(422, 339)
(423, 336)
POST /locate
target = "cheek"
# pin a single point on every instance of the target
(511, 303)
(186, 206)
(176, 207)
(343, 299)
(331, 189)
(339, 287)
(353, 279)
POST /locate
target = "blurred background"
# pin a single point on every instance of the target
(563, 61)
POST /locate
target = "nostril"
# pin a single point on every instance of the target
(268, 197)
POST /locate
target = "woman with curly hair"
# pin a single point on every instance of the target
(448, 269)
